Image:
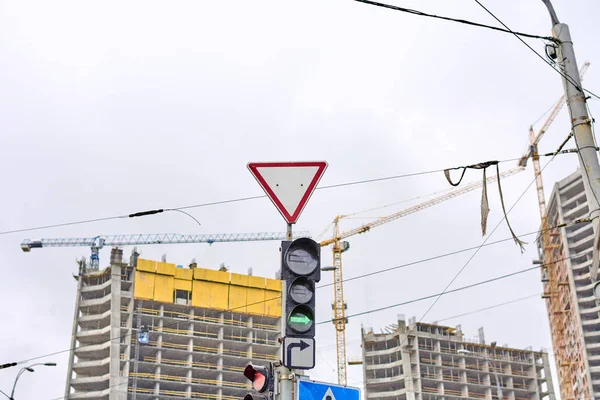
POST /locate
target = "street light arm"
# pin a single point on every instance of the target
(12, 393)
(4, 394)
(26, 368)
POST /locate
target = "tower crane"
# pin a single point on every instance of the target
(98, 242)
(339, 245)
(550, 273)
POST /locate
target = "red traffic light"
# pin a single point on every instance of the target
(259, 376)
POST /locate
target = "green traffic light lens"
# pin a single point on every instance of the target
(301, 319)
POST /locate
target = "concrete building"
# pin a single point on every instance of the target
(572, 307)
(431, 362)
(148, 330)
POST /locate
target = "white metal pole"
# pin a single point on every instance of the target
(581, 127)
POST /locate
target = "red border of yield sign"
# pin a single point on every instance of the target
(290, 218)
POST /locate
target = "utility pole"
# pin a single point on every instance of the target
(580, 123)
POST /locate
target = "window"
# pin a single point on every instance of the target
(181, 296)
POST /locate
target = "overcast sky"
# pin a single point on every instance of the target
(108, 108)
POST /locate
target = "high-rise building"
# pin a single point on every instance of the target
(568, 289)
(422, 361)
(148, 330)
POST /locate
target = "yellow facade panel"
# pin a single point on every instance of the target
(215, 276)
(273, 284)
(237, 298)
(200, 274)
(273, 303)
(146, 265)
(184, 273)
(182, 284)
(144, 285)
(239, 279)
(256, 282)
(201, 294)
(163, 288)
(219, 296)
(165, 268)
(255, 301)
(210, 295)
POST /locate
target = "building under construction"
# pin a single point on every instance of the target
(147, 330)
(568, 290)
(422, 361)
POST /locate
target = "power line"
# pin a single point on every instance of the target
(436, 294)
(439, 296)
(462, 21)
(222, 202)
(579, 221)
(517, 35)
(491, 307)
(454, 316)
(377, 309)
(319, 287)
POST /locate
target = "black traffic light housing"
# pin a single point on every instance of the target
(301, 269)
(263, 381)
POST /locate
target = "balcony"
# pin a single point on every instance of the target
(95, 383)
(96, 306)
(92, 368)
(392, 364)
(95, 351)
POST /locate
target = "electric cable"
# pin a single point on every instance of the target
(462, 21)
(518, 36)
(217, 312)
(333, 346)
(439, 296)
(274, 299)
(229, 201)
(207, 356)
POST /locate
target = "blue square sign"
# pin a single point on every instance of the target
(310, 390)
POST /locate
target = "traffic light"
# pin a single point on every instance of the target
(262, 381)
(301, 269)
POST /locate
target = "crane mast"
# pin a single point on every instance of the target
(339, 246)
(550, 269)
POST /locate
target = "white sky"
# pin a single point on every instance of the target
(108, 108)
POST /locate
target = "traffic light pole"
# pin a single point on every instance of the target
(286, 375)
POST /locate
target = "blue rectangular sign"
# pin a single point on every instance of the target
(310, 390)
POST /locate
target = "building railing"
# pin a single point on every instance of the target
(184, 379)
(176, 393)
(203, 318)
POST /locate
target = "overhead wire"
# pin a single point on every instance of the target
(462, 21)
(333, 346)
(455, 277)
(444, 292)
(229, 201)
(565, 75)
(207, 356)
(217, 312)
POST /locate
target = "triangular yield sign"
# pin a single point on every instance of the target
(289, 185)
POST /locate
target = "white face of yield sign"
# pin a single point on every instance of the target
(289, 185)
